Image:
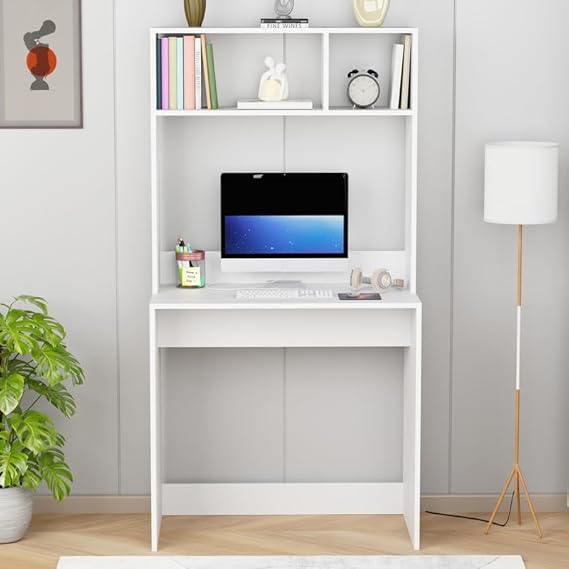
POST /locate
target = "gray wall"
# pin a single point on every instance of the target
(509, 86)
(82, 196)
(57, 239)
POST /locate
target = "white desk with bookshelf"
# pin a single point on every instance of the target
(212, 317)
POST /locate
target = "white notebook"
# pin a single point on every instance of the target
(406, 75)
(396, 72)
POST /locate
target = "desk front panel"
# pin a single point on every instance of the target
(283, 328)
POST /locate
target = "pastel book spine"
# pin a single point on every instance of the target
(172, 74)
(164, 52)
(396, 70)
(205, 76)
(158, 74)
(180, 73)
(198, 71)
(211, 73)
(189, 73)
(406, 79)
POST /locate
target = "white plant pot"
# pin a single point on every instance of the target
(15, 513)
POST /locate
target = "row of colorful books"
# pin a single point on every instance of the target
(185, 74)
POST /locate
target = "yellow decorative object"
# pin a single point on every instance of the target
(370, 13)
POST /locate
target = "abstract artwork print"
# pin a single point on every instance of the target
(40, 64)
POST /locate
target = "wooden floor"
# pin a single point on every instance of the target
(53, 535)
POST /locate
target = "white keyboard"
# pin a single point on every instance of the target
(284, 293)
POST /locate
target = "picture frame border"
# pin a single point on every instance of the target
(80, 123)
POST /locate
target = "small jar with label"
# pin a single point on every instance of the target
(191, 269)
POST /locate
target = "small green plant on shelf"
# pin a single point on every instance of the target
(34, 365)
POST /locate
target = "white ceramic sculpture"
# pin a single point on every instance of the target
(283, 8)
(370, 13)
(273, 85)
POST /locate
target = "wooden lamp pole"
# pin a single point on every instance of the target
(516, 472)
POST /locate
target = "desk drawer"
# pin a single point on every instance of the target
(280, 328)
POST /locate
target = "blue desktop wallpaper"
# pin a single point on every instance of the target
(284, 234)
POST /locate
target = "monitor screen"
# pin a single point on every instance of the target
(284, 215)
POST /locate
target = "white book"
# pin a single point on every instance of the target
(396, 72)
(198, 71)
(406, 79)
(291, 104)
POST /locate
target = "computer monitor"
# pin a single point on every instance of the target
(293, 222)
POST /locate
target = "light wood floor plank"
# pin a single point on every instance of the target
(53, 535)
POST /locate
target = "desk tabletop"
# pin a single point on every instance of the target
(222, 297)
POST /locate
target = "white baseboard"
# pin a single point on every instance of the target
(447, 503)
(93, 505)
(465, 503)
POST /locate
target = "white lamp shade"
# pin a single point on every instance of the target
(521, 182)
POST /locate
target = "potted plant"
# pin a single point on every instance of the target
(34, 365)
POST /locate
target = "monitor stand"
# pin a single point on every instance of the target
(284, 284)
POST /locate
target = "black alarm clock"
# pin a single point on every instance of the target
(363, 88)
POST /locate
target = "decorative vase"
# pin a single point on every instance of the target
(195, 12)
(370, 13)
(15, 513)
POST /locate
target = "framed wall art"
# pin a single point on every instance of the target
(40, 64)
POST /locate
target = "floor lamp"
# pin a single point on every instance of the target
(520, 188)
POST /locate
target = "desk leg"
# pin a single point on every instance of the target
(412, 432)
(155, 437)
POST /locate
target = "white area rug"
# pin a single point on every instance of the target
(296, 562)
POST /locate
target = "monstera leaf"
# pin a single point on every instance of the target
(17, 332)
(37, 301)
(35, 431)
(32, 477)
(56, 364)
(57, 395)
(11, 391)
(48, 329)
(13, 464)
(56, 473)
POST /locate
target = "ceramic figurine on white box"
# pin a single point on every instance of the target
(273, 85)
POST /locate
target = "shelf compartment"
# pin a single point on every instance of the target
(350, 51)
(239, 64)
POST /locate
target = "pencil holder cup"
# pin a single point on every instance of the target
(191, 269)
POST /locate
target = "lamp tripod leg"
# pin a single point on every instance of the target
(500, 500)
(535, 520)
(517, 495)
(517, 458)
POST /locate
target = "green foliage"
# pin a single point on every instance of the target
(34, 360)
(11, 391)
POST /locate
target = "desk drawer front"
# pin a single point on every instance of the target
(276, 328)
